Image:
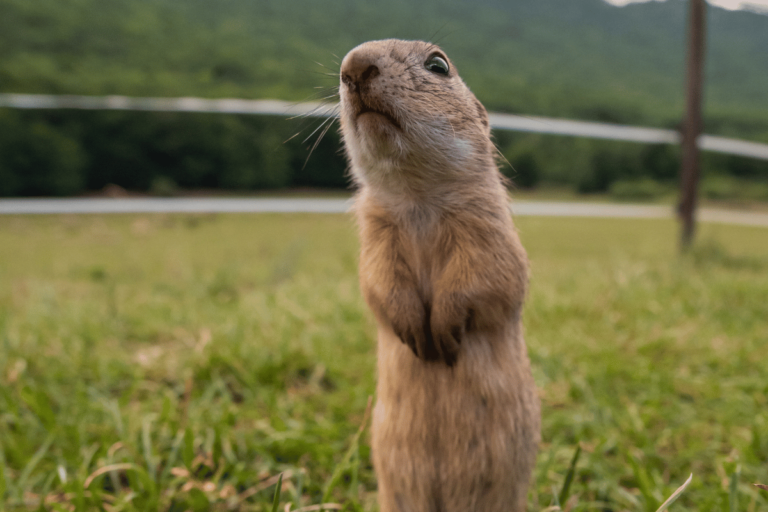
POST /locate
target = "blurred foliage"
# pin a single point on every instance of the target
(594, 166)
(38, 159)
(583, 59)
(579, 59)
(644, 189)
(722, 187)
(66, 152)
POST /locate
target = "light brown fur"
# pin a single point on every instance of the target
(456, 423)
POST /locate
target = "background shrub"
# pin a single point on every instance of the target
(54, 153)
(643, 189)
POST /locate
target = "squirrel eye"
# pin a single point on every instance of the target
(437, 64)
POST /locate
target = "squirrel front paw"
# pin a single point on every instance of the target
(448, 325)
(409, 318)
(433, 332)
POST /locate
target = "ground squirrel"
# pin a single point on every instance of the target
(456, 423)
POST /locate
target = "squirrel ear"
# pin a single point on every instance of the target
(483, 116)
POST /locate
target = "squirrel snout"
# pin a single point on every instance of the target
(358, 70)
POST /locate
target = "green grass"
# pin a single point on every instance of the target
(183, 362)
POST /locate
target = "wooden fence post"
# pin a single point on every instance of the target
(692, 127)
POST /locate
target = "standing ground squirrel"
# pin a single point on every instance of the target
(457, 420)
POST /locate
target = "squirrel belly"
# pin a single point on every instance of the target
(455, 438)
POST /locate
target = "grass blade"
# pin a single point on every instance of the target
(299, 489)
(278, 488)
(733, 501)
(171, 461)
(2, 475)
(355, 463)
(556, 502)
(644, 483)
(106, 469)
(342, 466)
(146, 443)
(664, 506)
(564, 492)
(30, 467)
(188, 450)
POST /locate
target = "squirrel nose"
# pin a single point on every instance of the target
(357, 70)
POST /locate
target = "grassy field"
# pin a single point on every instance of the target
(182, 362)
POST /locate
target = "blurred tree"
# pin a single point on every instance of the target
(38, 160)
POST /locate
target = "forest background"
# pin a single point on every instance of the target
(579, 59)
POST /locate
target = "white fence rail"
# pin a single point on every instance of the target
(283, 108)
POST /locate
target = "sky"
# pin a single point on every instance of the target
(727, 4)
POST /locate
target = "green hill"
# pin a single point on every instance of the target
(580, 59)
(574, 58)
